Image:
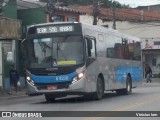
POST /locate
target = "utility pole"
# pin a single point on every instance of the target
(114, 16)
(51, 8)
(95, 11)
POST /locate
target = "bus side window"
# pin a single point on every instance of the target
(110, 53)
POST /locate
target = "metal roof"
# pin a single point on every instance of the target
(25, 4)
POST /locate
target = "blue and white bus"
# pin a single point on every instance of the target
(78, 59)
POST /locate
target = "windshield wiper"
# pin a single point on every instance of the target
(59, 49)
(59, 45)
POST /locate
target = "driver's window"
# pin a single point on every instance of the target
(91, 49)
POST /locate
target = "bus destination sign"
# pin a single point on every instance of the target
(54, 29)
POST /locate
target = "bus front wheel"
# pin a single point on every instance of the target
(49, 98)
(100, 89)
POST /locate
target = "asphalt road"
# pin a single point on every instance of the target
(144, 98)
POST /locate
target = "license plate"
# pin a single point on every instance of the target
(52, 87)
(62, 78)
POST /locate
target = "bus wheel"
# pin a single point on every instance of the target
(49, 98)
(128, 88)
(100, 89)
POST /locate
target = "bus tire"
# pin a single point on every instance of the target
(128, 89)
(99, 89)
(49, 98)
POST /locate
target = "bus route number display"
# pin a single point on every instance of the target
(54, 29)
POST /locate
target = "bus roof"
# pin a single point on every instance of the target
(54, 23)
(85, 25)
(109, 30)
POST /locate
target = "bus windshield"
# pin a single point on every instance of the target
(55, 51)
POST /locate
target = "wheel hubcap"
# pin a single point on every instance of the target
(129, 87)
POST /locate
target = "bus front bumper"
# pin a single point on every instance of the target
(76, 88)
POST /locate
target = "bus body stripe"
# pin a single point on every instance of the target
(122, 72)
(53, 79)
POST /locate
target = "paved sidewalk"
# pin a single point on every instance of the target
(21, 93)
(154, 80)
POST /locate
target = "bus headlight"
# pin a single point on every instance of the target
(78, 77)
(28, 78)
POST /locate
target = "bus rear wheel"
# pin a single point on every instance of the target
(100, 89)
(128, 89)
(49, 98)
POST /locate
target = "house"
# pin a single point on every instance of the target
(139, 23)
(150, 8)
(10, 33)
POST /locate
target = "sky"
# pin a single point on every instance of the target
(135, 3)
